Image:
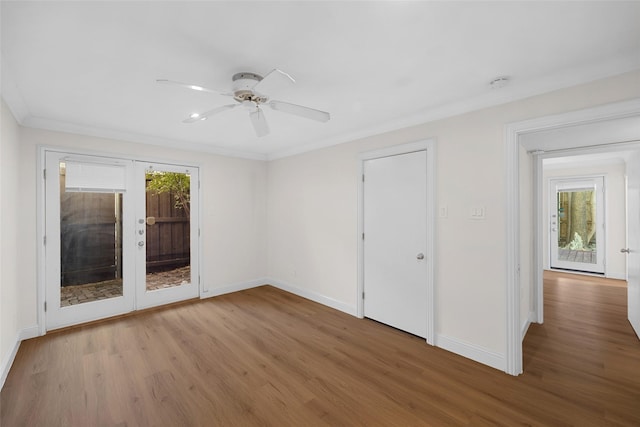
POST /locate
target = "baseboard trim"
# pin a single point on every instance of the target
(7, 360)
(313, 296)
(471, 351)
(617, 276)
(527, 322)
(234, 287)
(28, 333)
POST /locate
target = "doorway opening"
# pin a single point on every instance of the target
(119, 235)
(596, 130)
(577, 224)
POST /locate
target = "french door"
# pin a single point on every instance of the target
(576, 224)
(120, 235)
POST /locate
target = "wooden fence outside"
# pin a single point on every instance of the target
(90, 235)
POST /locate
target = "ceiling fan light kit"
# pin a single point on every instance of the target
(247, 90)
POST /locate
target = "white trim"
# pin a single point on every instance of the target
(28, 333)
(513, 355)
(11, 94)
(527, 322)
(428, 145)
(471, 351)
(513, 131)
(313, 296)
(572, 77)
(233, 287)
(8, 359)
(41, 151)
(538, 257)
(57, 126)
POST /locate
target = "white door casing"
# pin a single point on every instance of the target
(395, 239)
(516, 137)
(133, 258)
(633, 241)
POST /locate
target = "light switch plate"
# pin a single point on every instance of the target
(477, 213)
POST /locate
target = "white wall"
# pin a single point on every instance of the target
(10, 283)
(233, 220)
(616, 262)
(312, 209)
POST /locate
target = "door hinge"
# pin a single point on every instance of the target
(44, 240)
(45, 306)
(198, 280)
(363, 295)
(44, 174)
(198, 184)
(362, 177)
(362, 236)
(198, 232)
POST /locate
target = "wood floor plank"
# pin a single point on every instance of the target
(266, 357)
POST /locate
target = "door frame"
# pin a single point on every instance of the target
(428, 145)
(601, 215)
(41, 151)
(514, 137)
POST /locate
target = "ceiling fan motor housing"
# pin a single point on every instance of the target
(243, 84)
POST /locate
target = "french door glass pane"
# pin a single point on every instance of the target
(90, 244)
(577, 226)
(168, 217)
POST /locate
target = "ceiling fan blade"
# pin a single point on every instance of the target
(259, 122)
(273, 81)
(299, 110)
(202, 116)
(190, 86)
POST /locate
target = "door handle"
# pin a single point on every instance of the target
(625, 251)
(420, 256)
(141, 243)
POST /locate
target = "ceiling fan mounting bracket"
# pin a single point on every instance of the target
(243, 84)
(246, 75)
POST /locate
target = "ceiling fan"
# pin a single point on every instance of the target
(250, 90)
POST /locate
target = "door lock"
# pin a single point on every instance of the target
(625, 251)
(420, 256)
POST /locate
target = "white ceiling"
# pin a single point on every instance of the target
(90, 67)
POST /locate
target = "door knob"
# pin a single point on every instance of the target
(420, 256)
(141, 243)
(625, 251)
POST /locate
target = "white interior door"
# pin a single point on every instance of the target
(88, 238)
(395, 241)
(633, 241)
(576, 224)
(120, 235)
(166, 233)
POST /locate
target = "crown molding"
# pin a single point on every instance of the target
(59, 126)
(515, 91)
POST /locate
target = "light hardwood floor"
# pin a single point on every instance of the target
(266, 357)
